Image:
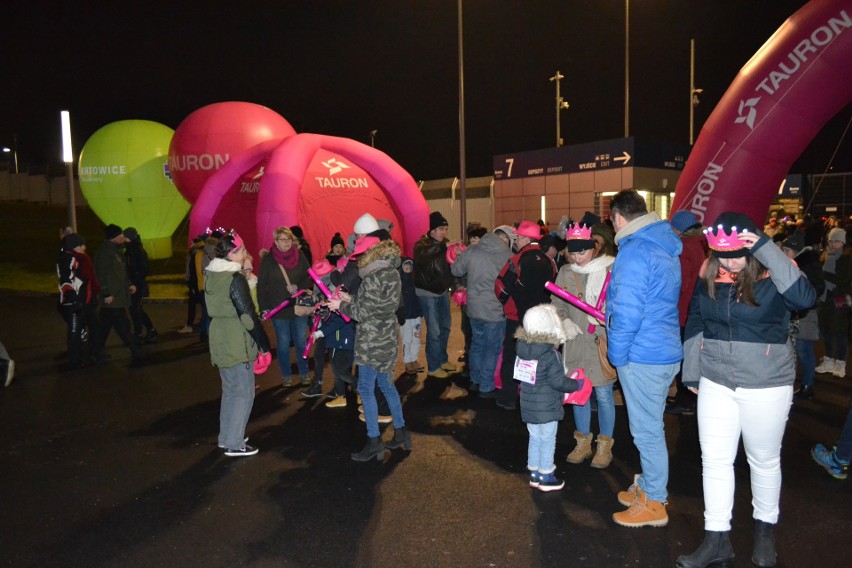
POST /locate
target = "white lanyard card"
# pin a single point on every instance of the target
(525, 370)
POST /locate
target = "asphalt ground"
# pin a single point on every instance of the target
(118, 466)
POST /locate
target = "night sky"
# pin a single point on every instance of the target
(344, 68)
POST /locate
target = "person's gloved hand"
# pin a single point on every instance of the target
(570, 328)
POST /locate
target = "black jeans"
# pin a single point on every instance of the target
(117, 318)
(141, 321)
(341, 366)
(508, 395)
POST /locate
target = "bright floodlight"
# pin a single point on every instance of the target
(6, 149)
(67, 156)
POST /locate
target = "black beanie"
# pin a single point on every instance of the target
(437, 220)
(72, 241)
(112, 231)
(337, 240)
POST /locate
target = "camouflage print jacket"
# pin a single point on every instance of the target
(374, 307)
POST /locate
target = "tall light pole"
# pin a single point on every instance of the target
(693, 92)
(626, 68)
(13, 150)
(462, 165)
(373, 138)
(560, 104)
(68, 158)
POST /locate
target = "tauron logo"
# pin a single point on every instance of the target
(335, 166)
(747, 106)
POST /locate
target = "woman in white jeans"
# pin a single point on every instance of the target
(738, 358)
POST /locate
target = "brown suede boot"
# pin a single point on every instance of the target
(643, 512)
(603, 452)
(583, 449)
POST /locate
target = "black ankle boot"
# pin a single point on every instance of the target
(764, 545)
(373, 449)
(401, 438)
(715, 550)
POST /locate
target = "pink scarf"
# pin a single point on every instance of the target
(289, 259)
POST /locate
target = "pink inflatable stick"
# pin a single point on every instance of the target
(601, 299)
(269, 313)
(324, 289)
(310, 342)
(575, 301)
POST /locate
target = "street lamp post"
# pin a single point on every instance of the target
(693, 92)
(13, 150)
(626, 68)
(373, 138)
(68, 158)
(560, 104)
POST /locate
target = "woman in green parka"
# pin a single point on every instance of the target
(236, 340)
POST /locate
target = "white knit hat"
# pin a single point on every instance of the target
(366, 224)
(544, 319)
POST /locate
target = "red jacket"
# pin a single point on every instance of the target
(693, 256)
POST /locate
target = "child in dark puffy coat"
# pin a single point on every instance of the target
(538, 366)
(409, 315)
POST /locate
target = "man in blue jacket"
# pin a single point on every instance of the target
(644, 345)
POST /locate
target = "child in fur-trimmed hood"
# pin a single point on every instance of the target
(538, 366)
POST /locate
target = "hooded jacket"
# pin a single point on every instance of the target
(236, 333)
(737, 345)
(374, 307)
(481, 264)
(642, 315)
(542, 402)
(111, 271)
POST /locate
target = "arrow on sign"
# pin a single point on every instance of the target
(625, 157)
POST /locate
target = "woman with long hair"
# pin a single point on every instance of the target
(739, 359)
(584, 277)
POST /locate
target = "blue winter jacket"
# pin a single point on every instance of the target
(642, 314)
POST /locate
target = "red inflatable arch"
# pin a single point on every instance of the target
(776, 105)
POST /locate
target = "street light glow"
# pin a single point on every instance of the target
(67, 155)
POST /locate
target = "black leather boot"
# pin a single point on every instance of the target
(715, 550)
(373, 449)
(401, 438)
(764, 545)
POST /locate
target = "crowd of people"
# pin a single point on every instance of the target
(677, 317)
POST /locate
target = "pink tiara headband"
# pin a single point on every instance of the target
(578, 232)
(724, 241)
(238, 240)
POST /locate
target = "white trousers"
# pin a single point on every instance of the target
(760, 415)
(410, 332)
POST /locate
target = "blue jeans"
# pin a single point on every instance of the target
(368, 378)
(237, 400)
(807, 357)
(285, 330)
(542, 447)
(645, 388)
(485, 344)
(606, 413)
(437, 313)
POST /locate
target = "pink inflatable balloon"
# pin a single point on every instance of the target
(321, 183)
(776, 105)
(229, 197)
(211, 135)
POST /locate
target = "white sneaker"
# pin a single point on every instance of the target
(825, 366)
(839, 368)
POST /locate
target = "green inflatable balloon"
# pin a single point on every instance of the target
(125, 178)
